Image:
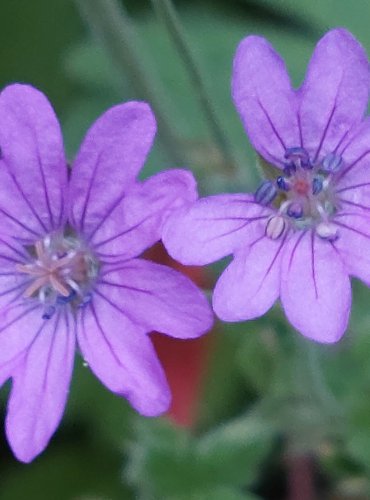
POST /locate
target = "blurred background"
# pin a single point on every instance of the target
(258, 412)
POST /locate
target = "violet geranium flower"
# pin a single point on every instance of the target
(68, 269)
(303, 232)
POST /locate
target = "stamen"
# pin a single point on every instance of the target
(61, 299)
(295, 210)
(61, 271)
(327, 231)
(332, 163)
(49, 312)
(275, 227)
(265, 193)
(317, 185)
(298, 158)
(283, 183)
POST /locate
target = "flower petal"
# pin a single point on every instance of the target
(121, 356)
(110, 157)
(250, 284)
(315, 288)
(19, 325)
(213, 227)
(353, 244)
(40, 389)
(33, 173)
(264, 98)
(135, 223)
(158, 298)
(335, 92)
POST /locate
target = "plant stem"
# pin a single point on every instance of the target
(301, 485)
(167, 12)
(109, 22)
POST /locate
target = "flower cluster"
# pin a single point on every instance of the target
(306, 229)
(69, 272)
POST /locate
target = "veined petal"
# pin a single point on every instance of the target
(135, 223)
(40, 389)
(20, 323)
(335, 92)
(158, 298)
(356, 158)
(214, 227)
(122, 356)
(33, 173)
(264, 98)
(353, 244)
(250, 284)
(110, 157)
(315, 288)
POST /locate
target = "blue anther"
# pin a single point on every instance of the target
(317, 184)
(282, 183)
(295, 210)
(48, 312)
(61, 299)
(332, 163)
(298, 157)
(265, 193)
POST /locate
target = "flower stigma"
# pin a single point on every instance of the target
(303, 196)
(62, 272)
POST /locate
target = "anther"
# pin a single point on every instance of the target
(49, 312)
(61, 299)
(275, 227)
(327, 231)
(295, 210)
(282, 183)
(332, 163)
(317, 185)
(298, 157)
(265, 193)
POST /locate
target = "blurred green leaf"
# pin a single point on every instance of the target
(166, 462)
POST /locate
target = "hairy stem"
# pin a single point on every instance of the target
(167, 12)
(109, 22)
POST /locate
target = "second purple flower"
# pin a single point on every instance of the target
(305, 231)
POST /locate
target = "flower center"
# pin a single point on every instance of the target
(304, 195)
(62, 271)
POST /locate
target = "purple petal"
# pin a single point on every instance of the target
(122, 357)
(353, 244)
(33, 173)
(158, 298)
(20, 323)
(356, 157)
(6, 372)
(264, 98)
(40, 389)
(315, 288)
(335, 92)
(111, 155)
(250, 284)
(214, 227)
(135, 223)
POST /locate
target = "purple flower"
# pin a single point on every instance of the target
(69, 270)
(302, 234)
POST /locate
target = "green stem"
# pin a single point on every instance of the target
(109, 22)
(167, 12)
